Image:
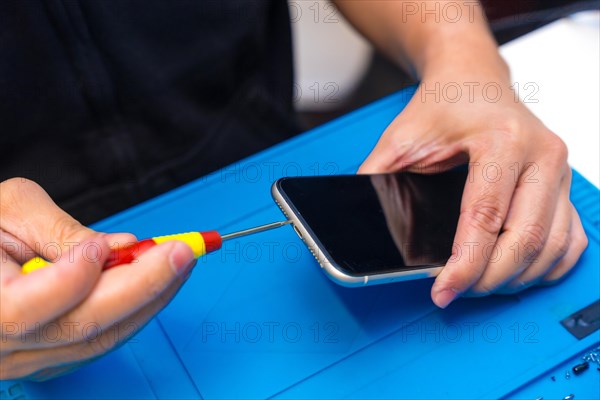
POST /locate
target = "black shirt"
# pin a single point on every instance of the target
(107, 103)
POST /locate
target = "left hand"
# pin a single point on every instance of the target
(56, 319)
(517, 226)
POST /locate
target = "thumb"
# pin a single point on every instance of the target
(399, 147)
(29, 214)
(380, 160)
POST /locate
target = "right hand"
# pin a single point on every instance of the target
(57, 318)
(517, 227)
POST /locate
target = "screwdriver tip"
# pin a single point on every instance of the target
(257, 229)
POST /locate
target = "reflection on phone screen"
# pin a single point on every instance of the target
(373, 224)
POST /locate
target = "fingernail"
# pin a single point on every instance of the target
(181, 258)
(444, 297)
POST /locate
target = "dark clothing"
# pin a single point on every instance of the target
(107, 103)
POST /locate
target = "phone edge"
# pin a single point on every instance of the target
(332, 272)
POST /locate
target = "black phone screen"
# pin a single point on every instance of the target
(374, 224)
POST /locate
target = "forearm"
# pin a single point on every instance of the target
(429, 38)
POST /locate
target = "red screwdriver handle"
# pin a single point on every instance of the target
(200, 242)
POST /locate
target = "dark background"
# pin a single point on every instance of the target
(509, 19)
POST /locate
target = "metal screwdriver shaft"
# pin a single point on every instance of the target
(257, 229)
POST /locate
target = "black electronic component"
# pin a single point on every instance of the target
(579, 368)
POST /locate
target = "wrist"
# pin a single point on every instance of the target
(485, 67)
(462, 48)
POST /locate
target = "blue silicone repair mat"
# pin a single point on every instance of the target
(259, 319)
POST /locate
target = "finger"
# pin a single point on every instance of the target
(389, 151)
(579, 242)
(13, 255)
(122, 291)
(422, 157)
(32, 300)
(412, 144)
(21, 252)
(53, 372)
(555, 248)
(484, 207)
(29, 214)
(526, 228)
(10, 269)
(45, 363)
(120, 240)
(402, 144)
(15, 248)
(118, 293)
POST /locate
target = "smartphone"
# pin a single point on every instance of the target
(373, 229)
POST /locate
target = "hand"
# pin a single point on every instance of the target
(57, 318)
(517, 226)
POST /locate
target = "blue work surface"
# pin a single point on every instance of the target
(259, 319)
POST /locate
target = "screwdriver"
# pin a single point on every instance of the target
(201, 243)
